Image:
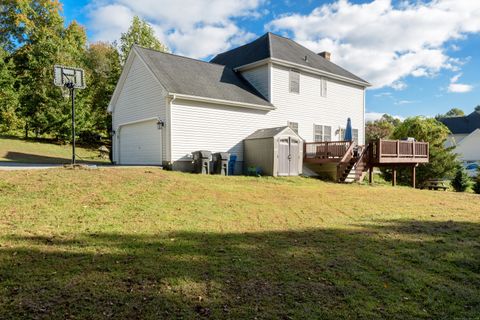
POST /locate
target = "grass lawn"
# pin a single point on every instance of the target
(149, 244)
(13, 149)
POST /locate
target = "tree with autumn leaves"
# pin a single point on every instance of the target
(33, 38)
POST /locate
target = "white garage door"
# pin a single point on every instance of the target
(140, 143)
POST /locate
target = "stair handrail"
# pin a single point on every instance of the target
(363, 158)
(345, 159)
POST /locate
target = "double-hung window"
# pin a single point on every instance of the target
(355, 135)
(293, 126)
(323, 87)
(294, 77)
(322, 133)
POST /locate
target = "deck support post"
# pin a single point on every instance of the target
(414, 177)
(394, 176)
(370, 175)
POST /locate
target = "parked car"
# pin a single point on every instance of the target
(472, 169)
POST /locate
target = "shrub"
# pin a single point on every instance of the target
(476, 186)
(461, 181)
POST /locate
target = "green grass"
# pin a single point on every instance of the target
(13, 149)
(149, 244)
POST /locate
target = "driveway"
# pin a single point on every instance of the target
(26, 166)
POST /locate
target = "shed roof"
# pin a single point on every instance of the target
(464, 124)
(274, 46)
(188, 76)
(269, 133)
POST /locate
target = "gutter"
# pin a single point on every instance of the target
(302, 67)
(221, 101)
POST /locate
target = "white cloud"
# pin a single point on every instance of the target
(458, 87)
(399, 85)
(384, 43)
(197, 28)
(402, 102)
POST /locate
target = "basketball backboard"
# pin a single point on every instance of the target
(65, 75)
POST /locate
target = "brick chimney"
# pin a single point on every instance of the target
(325, 54)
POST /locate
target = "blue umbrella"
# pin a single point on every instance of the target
(348, 131)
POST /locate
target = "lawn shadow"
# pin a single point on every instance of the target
(21, 157)
(28, 158)
(393, 270)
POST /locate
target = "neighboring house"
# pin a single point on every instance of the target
(465, 136)
(167, 106)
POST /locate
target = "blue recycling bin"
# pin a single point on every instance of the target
(231, 164)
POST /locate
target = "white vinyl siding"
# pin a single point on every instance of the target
(141, 98)
(259, 78)
(467, 149)
(217, 128)
(294, 77)
(343, 101)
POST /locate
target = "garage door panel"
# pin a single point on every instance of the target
(140, 143)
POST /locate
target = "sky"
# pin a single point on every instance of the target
(421, 57)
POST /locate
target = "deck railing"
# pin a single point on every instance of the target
(326, 150)
(399, 149)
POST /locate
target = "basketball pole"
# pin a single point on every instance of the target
(71, 86)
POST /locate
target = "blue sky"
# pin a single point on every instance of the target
(421, 56)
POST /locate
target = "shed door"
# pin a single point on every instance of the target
(283, 155)
(140, 143)
(288, 153)
(294, 154)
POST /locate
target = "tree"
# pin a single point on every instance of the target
(461, 181)
(103, 64)
(454, 112)
(381, 128)
(139, 33)
(9, 95)
(443, 162)
(476, 186)
(477, 108)
(391, 119)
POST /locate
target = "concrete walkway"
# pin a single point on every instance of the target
(10, 166)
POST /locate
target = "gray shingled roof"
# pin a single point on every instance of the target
(187, 76)
(463, 125)
(266, 133)
(273, 46)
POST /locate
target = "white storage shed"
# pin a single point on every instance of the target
(276, 151)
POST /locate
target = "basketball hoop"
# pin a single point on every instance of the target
(69, 79)
(65, 92)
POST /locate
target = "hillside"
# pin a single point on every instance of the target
(150, 244)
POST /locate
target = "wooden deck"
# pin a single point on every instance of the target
(390, 152)
(326, 152)
(347, 156)
(380, 152)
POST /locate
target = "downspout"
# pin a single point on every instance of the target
(169, 129)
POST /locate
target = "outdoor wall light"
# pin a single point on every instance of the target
(160, 124)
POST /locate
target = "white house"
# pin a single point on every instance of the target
(465, 136)
(167, 106)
